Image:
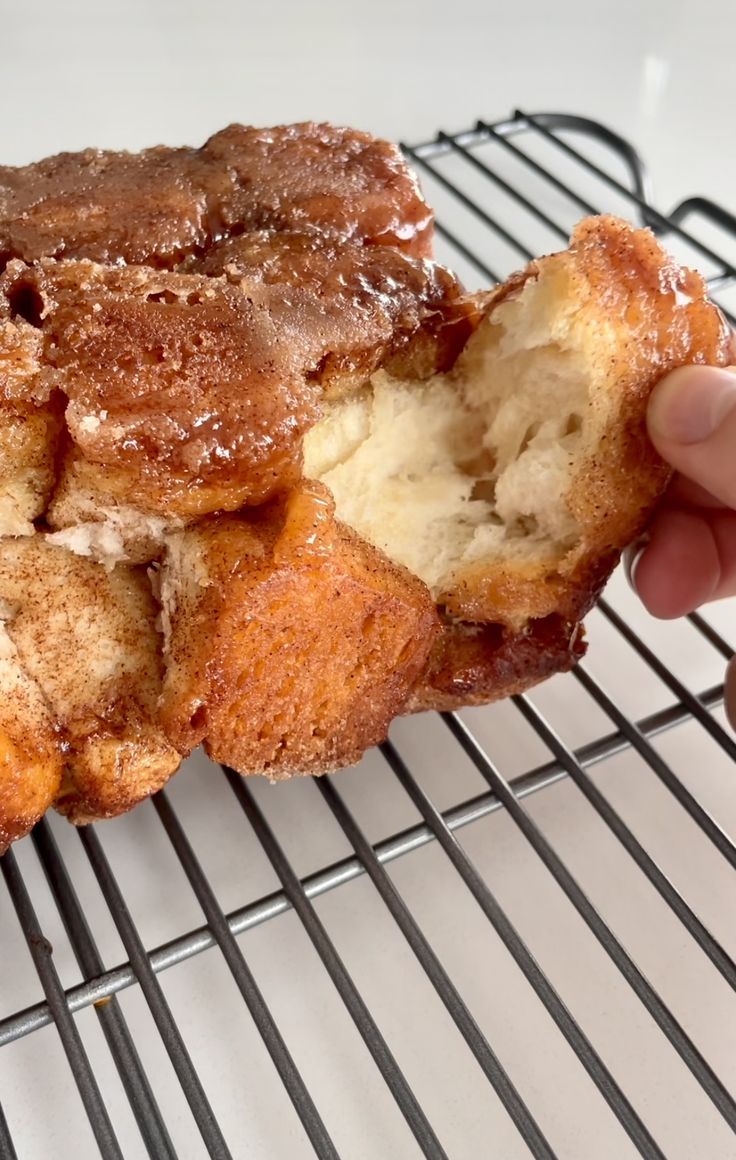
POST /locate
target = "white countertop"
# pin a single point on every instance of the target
(139, 72)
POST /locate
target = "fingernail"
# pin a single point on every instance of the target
(632, 559)
(691, 403)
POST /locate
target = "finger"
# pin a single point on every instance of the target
(692, 423)
(684, 492)
(723, 528)
(679, 569)
(688, 558)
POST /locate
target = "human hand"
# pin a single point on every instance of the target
(690, 554)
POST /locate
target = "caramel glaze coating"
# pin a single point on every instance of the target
(345, 184)
(474, 664)
(148, 207)
(350, 308)
(190, 393)
(157, 206)
(181, 391)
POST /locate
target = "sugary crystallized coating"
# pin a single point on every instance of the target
(190, 341)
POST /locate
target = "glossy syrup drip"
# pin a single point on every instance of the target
(309, 531)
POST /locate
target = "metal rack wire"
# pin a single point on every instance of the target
(550, 168)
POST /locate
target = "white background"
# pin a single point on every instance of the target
(125, 75)
(141, 72)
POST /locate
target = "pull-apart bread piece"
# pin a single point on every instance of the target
(81, 643)
(511, 484)
(182, 399)
(508, 485)
(291, 642)
(349, 309)
(269, 477)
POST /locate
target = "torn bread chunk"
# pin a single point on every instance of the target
(30, 423)
(30, 745)
(510, 484)
(87, 639)
(291, 643)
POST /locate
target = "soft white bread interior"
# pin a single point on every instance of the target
(510, 483)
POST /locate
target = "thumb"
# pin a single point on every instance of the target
(692, 423)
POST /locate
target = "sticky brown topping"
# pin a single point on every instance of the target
(192, 306)
(160, 205)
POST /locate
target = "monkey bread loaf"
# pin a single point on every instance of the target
(269, 477)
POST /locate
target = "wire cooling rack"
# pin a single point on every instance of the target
(428, 955)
